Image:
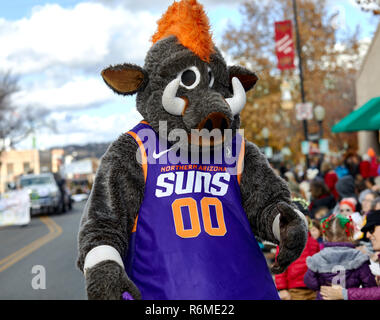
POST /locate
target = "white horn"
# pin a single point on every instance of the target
(238, 100)
(170, 102)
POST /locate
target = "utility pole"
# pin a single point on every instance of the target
(298, 42)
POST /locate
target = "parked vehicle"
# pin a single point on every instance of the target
(44, 192)
(79, 197)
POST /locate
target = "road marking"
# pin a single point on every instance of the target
(54, 231)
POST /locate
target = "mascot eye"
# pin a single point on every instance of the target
(210, 77)
(190, 77)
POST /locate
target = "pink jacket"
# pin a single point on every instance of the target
(372, 293)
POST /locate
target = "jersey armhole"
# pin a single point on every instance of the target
(144, 165)
(240, 164)
(144, 159)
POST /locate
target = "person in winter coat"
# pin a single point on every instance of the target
(290, 283)
(352, 162)
(339, 261)
(346, 189)
(347, 208)
(375, 204)
(374, 165)
(316, 231)
(367, 201)
(321, 197)
(330, 177)
(340, 168)
(365, 166)
(372, 230)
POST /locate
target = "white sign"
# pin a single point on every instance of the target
(78, 167)
(15, 208)
(305, 147)
(324, 145)
(304, 111)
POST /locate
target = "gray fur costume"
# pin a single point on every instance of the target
(118, 190)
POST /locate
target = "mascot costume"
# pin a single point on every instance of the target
(160, 226)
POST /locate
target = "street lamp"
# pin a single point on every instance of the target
(320, 113)
(303, 95)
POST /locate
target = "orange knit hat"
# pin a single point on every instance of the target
(348, 202)
(188, 22)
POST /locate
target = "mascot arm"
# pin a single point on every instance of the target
(266, 200)
(108, 220)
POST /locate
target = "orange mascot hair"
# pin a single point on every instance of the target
(188, 22)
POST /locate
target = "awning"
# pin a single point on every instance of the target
(367, 117)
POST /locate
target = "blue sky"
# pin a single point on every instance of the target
(57, 48)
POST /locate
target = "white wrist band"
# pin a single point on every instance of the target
(99, 254)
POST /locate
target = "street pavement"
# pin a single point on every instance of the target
(37, 262)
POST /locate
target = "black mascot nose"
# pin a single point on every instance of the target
(215, 120)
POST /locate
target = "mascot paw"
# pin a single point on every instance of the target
(108, 281)
(293, 236)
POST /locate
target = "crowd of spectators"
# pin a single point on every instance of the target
(340, 198)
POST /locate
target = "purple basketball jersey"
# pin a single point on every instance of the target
(192, 238)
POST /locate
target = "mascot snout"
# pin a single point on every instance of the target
(215, 120)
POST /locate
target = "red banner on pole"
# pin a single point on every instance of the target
(284, 44)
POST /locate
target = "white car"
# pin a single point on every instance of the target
(44, 193)
(79, 197)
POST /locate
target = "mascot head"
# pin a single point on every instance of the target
(185, 80)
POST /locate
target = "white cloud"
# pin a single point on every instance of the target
(78, 93)
(86, 36)
(162, 5)
(83, 129)
(58, 53)
(62, 51)
(66, 48)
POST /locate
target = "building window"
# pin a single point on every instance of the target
(26, 167)
(9, 169)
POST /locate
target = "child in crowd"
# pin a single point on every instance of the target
(339, 262)
(290, 283)
(321, 213)
(372, 231)
(347, 208)
(316, 231)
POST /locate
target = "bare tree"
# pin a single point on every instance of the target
(17, 123)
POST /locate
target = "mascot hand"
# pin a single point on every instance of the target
(293, 236)
(107, 280)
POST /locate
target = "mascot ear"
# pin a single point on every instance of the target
(125, 79)
(247, 78)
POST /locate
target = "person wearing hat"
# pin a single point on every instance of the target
(372, 230)
(347, 207)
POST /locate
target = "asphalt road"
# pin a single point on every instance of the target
(37, 262)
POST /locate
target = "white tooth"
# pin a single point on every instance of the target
(170, 102)
(238, 100)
